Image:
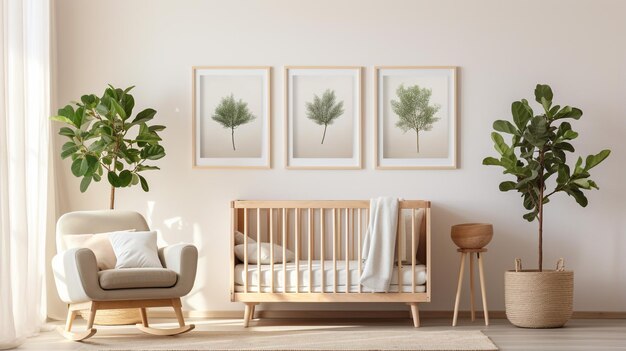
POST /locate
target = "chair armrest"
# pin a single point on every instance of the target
(76, 275)
(182, 259)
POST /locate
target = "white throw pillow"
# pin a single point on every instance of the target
(239, 237)
(265, 253)
(98, 243)
(136, 250)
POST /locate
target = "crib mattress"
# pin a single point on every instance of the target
(329, 278)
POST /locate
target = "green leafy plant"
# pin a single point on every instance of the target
(537, 151)
(231, 114)
(100, 132)
(414, 110)
(325, 110)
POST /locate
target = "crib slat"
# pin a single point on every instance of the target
(278, 227)
(352, 236)
(413, 251)
(245, 249)
(267, 224)
(284, 251)
(359, 246)
(367, 220)
(258, 248)
(334, 250)
(271, 233)
(428, 271)
(312, 243)
(322, 256)
(310, 247)
(400, 245)
(297, 247)
(287, 225)
(347, 253)
(339, 237)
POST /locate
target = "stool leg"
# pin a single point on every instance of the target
(482, 287)
(471, 269)
(458, 290)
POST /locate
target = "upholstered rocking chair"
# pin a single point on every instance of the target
(84, 287)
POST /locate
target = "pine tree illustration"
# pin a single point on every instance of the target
(325, 110)
(232, 114)
(414, 110)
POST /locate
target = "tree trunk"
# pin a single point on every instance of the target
(324, 136)
(417, 141)
(112, 203)
(232, 137)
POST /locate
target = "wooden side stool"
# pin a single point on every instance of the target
(478, 253)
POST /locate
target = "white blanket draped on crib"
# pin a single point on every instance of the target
(379, 244)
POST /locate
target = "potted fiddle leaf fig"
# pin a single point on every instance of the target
(106, 141)
(533, 150)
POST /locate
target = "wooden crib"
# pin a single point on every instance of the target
(326, 238)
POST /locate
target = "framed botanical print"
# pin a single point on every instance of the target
(323, 121)
(231, 117)
(416, 117)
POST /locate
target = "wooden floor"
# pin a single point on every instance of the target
(581, 334)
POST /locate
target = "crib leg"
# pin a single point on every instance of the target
(416, 314)
(248, 314)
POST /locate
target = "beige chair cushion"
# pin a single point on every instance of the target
(98, 243)
(135, 278)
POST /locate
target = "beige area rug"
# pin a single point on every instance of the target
(323, 339)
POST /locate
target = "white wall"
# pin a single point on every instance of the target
(503, 48)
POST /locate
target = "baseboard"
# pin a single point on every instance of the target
(297, 314)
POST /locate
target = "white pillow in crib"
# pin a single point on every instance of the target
(265, 253)
(239, 237)
(405, 235)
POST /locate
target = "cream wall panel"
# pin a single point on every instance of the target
(503, 48)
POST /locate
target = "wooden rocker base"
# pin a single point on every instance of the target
(94, 306)
(77, 336)
(165, 331)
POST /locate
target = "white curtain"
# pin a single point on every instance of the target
(25, 145)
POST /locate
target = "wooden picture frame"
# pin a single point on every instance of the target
(211, 86)
(344, 149)
(441, 82)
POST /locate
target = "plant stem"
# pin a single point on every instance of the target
(112, 203)
(232, 137)
(417, 140)
(541, 187)
(114, 164)
(324, 136)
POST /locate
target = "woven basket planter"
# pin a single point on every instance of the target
(115, 317)
(536, 299)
